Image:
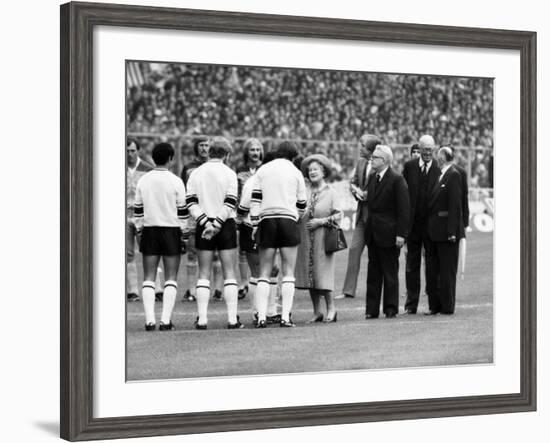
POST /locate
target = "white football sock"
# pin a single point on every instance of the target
(252, 291)
(148, 297)
(262, 294)
(287, 292)
(168, 300)
(272, 299)
(231, 295)
(203, 295)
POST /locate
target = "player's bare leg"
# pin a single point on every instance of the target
(243, 274)
(253, 260)
(217, 277)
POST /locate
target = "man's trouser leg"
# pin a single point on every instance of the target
(354, 259)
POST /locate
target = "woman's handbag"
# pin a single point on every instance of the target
(335, 239)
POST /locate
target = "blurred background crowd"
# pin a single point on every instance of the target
(325, 111)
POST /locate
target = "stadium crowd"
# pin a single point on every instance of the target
(322, 107)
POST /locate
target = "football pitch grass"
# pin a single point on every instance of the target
(351, 343)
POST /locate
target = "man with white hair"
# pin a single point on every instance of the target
(421, 175)
(385, 232)
(445, 227)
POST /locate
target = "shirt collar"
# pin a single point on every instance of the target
(381, 173)
(135, 167)
(445, 168)
(428, 165)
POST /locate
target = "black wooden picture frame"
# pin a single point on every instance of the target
(77, 23)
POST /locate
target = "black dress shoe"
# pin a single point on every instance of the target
(261, 324)
(159, 296)
(430, 313)
(370, 316)
(217, 295)
(150, 327)
(391, 315)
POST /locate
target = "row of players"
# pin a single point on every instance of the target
(276, 199)
(162, 206)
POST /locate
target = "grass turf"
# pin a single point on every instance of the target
(351, 343)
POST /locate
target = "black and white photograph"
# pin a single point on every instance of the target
(286, 220)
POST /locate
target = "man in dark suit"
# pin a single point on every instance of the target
(358, 188)
(464, 199)
(421, 175)
(385, 232)
(445, 226)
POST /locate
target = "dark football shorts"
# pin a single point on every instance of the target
(246, 242)
(278, 233)
(160, 240)
(225, 239)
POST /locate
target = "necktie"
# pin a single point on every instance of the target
(424, 169)
(376, 183)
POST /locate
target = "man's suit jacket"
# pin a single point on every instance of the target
(445, 207)
(388, 209)
(464, 199)
(359, 179)
(411, 173)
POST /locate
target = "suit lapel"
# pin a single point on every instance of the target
(416, 173)
(361, 172)
(438, 184)
(433, 176)
(383, 182)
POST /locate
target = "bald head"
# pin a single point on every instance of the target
(426, 141)
(427, 146)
